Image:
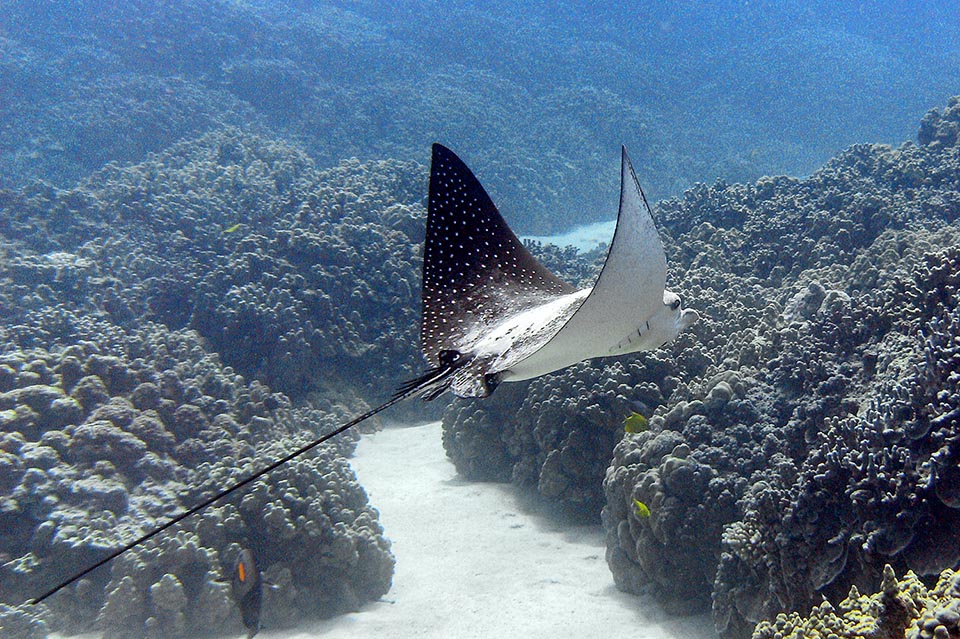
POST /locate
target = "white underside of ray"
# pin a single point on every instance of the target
(519, 336)
(612, 317)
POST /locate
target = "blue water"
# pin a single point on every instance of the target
(537, 96)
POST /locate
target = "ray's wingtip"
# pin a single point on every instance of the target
(439, 149)
(442, 155)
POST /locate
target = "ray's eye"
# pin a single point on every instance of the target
(675, 304)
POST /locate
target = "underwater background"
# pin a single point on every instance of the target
(211, 216)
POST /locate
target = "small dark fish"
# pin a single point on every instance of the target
(248, 590)
(639, 407)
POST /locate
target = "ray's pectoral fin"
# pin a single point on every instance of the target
(664, 325)
(475, 270)
(627, 310)
(630, 288)
(631, 341)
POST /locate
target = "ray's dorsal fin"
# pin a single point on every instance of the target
(474, 267)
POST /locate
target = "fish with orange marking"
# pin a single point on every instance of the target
(247, 588)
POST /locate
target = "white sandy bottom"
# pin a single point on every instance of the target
(476, 560)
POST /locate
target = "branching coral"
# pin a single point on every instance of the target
(901, 609)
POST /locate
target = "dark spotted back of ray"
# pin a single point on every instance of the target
(474, 267)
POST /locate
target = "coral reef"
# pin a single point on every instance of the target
(902, 609)
(805, 433)
(117, 411)
(833, 441)
(21, 623)
(315, 288)
(941, 129)
(163, 425)
(167, 323)
(549, 95)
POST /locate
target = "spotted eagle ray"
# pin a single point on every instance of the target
(491, 313)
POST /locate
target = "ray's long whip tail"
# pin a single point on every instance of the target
(430, 385)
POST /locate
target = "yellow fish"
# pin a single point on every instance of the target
(635, 423)
(642, 510)
(232, 229)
